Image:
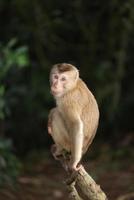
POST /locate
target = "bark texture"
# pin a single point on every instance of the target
(83, 187)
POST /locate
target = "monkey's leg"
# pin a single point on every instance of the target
(60, 136)
(59, 131)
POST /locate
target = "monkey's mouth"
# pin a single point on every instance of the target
(55, 93)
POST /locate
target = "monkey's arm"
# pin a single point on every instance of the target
(77, 142)
(75, 128)
(49, 127)
(49, 123)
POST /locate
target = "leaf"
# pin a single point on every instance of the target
(22, 60)
(12, 42)
(21, 50)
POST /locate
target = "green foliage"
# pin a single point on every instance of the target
(11, 57)
(9, 164)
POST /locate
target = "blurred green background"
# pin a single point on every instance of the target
(97, 37)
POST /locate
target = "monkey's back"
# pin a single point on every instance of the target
(89, 114)
(81, 101)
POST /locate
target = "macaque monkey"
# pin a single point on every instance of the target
(74, 121)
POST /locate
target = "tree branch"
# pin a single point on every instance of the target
(88, 187)
(81, 185)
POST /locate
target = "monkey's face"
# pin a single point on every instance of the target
(63, 77)
(61, 83)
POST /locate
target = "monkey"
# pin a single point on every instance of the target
(73, 122)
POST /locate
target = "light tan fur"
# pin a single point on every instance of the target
(74, 121)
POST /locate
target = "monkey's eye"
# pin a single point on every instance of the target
(55, 76)
(63, 79)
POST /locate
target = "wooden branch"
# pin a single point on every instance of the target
(81, 185)
(87, 187)
(73, 194)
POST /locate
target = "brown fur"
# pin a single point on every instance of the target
(75, 108)
(80, 100)
(63, 67)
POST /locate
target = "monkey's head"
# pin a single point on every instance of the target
(63, 77)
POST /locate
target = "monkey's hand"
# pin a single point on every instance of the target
(74, 169)
(49, 127)
(49, 130)
(75, 166)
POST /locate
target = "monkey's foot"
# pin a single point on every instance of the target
(78, 167)
(74, 167)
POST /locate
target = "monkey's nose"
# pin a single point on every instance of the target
(55, 85)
